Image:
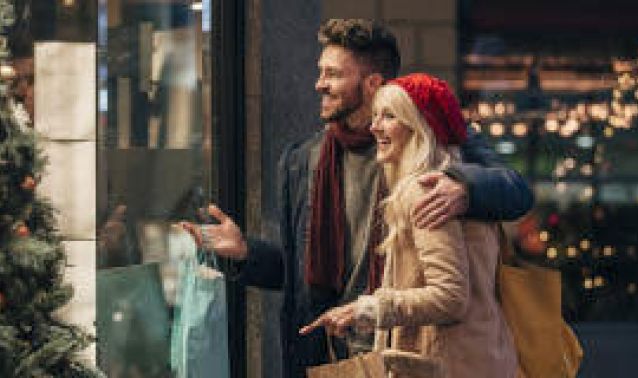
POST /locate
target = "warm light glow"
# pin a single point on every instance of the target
(608, 251)
(484, 110)
(599, 111)
(560, 171)
(551, 125)
(587, 193)
(581, 110)
(586, 170)
(552, 253)
(544, 236)
(7, 72)
(622, 65)
(499, 109)
(570, 163)
(572, 251)
(476, 126)
(68, 3)
(561, 187)
(196, 6)
(497, 129)
(599, 281)
(572, 125)
(569, 128)
(618, 122)
(585, 244)
(626, 81)
(616, 107)
(631, 288)
(519, 129)
(588, 283)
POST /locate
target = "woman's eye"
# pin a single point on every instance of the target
(388, 115)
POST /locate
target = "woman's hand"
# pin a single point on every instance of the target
(337, 321)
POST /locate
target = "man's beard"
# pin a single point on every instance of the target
(340, 114)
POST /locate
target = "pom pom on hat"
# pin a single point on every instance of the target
(437, 104)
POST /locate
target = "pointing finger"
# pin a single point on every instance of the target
(312, 326)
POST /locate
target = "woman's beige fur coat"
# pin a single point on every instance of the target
(438, 302)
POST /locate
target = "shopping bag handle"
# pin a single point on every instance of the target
(208, 258)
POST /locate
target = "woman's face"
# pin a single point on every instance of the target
(391, 135)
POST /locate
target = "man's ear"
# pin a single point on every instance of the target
(372, 83)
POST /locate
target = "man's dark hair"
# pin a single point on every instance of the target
(372, 44)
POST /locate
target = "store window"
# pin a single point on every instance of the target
(163, 136)
(553, 87)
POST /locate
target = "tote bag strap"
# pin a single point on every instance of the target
(332, 355)
(505, 252)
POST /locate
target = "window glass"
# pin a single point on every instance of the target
(154, 169)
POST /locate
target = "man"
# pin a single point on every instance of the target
(329, 189)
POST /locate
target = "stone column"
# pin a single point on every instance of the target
(65, 115)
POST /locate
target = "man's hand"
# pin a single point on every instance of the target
(224, 238)
(337, 321)
(446, 199)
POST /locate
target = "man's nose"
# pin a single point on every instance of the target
(321, 85)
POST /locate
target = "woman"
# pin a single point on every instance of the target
(438, 295)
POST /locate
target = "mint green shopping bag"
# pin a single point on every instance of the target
(133, 322)
(199, 340)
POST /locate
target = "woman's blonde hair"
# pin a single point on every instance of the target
(420, 154)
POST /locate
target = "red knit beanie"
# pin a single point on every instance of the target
(437, 104)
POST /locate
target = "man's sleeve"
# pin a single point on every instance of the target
(264, 266)
(496, 193)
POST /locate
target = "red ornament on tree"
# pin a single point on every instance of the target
(3, 301)
(22, 231)
(28, 183)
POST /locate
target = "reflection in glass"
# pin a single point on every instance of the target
(154, 164)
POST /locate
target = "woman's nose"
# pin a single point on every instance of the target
(376, 124)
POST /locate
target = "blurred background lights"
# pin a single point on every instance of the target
(497, 129)
(519, 129)
(505, 148)
(585, 141)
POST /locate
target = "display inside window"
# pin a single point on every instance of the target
(154, 170)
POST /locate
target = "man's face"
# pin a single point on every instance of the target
(340, 83)
(23, 87)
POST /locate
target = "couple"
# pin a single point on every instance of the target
(439, 187)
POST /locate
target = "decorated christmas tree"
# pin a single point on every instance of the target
(34, 341)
